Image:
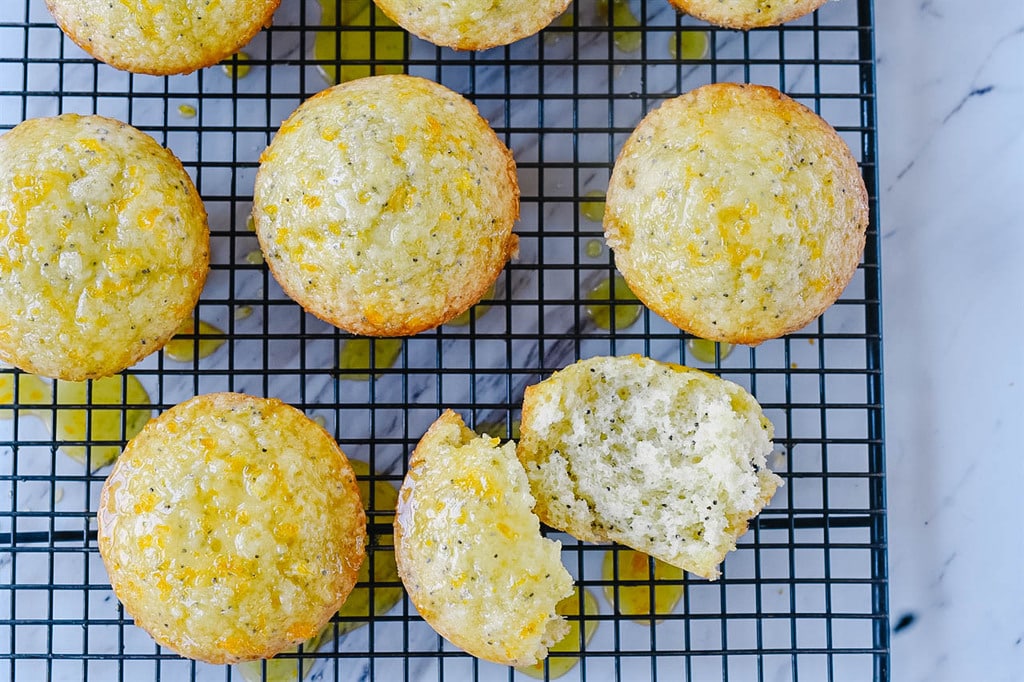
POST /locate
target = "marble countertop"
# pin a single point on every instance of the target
(951, 138)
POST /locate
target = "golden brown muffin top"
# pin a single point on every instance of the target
(736, 213)
(232, 528)
(104, 246)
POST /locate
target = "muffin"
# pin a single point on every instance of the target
(168, 37)
(472, 24)
(736, 213)
(232, 528)
(385, 205)
(357, 609)
(470, 551)
(662, 458)
(747, 14)
(105, 246)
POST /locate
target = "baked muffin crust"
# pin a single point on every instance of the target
(232, 528)
(385, 205)
(747, 14)
(162, 37)
(736, 213)
(104, 246)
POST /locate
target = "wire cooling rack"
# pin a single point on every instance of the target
(804, 595)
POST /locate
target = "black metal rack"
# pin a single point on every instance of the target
(803, 597)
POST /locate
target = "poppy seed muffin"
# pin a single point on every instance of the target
(232, 528)
(385, 205)
(165, 37)
(747, 14)
(470, 551)
(666, 459)
(104, 246)
(472, 24)
(736, 213)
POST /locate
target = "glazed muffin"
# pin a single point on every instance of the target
(385, 205)
(470, 551)
(232, 528)
(736, 213)
(165, 37)
(747, 14)
(665, 459)
(472, 24)
(104, 246)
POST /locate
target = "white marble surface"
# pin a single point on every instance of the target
(951, 136)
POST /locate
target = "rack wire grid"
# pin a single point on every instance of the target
(805, 594)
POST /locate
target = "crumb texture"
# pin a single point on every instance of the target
(662, 458)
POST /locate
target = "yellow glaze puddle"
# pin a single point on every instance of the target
(570, 644)
(186, 111)
(385, 499)
(356, 352)
(623, 19)
(688, 45)
(243, 311)
(593, 210)
(254, 257)
(346, 47)
(184, 349)
(704, 350)
(79, 424)
(613, 289)
(635, 601)
(564, 21)
(385, 570)
(239, 70)
(497, 429)
(594, 248)
(105, 424)
(480, 308)
(32, 391)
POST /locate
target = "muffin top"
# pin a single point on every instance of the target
(385, 205)
(736, 213)
(161, 37)
(104, 246)
(470, 551)
(232, 528)
(746, 14)
(472, 24)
